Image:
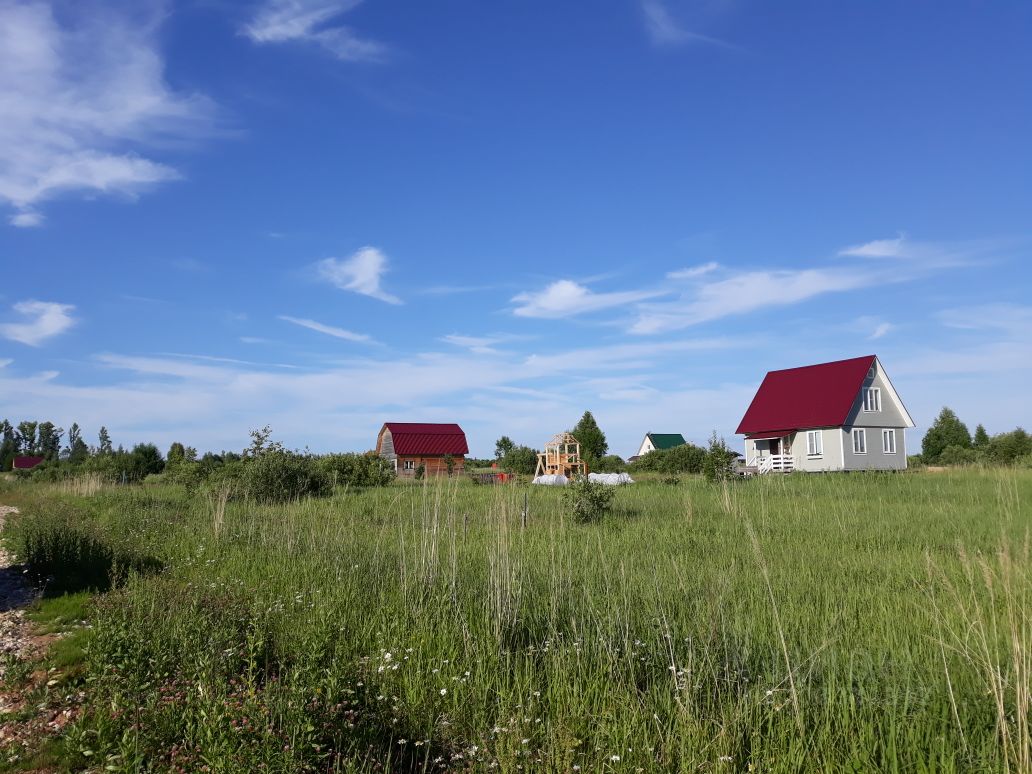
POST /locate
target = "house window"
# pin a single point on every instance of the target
(814, 443)
(410, 464)
(888, 441)
(872, 399)
(859, 441)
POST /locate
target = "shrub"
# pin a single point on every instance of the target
(366, 470)
(611, 463)
(521, 460)
(279, 475)
(957, 455)
(420, 471)
(687, 458)
(589, 501)
(719, 463)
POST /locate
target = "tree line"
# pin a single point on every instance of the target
(949, 442)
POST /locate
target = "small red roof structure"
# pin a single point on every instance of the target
(807, 397)
(423, 438)
(26, 462)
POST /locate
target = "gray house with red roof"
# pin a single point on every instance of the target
(844, 415)
(411, 444)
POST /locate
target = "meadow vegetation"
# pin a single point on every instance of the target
(854, 622)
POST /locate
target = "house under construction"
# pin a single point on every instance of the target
(561, 457)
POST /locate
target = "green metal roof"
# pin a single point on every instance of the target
(667, 440)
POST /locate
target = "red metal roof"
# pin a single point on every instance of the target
(811, 396)
(414, 438)
(25, 462)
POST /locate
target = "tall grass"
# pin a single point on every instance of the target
(864, 623)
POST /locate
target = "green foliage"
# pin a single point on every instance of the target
(719, 462)
(981, 439)
(520, 460)
(27, 437)
(420, 471)
(611, 463)
(328, 636)
(947, 430)
(48, 441)
(591, 438)
(587, 500)
(278, 475)
(1006, 448)
(104, 441)
(77, 450)
(503, 446)
(356, 470)
(686, 458)
(957, 455)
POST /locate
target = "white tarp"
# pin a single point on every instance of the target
(553, 480)
(613, 479)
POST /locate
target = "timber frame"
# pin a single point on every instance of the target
(562, 456)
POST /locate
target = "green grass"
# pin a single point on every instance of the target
(807, 623)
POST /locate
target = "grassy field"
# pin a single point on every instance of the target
(805, 623)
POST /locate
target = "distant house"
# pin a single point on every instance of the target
(844, 415)
(26, 462)
(411, 444)
(653, 441)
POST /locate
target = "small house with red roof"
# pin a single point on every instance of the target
(26, 462)
(434, 446)
(844, 415)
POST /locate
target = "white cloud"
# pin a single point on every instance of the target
(747, 292)
(45, 320)
(81, 98)
(482, 345)
(26, 219)
(4, 362)
(361, 273)
(1009, 317)
(329, 330)
(566, 298)
(666, 31)
(311, 21)
(879, 248)
(694, 271)
(882, 329)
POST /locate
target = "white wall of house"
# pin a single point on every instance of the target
(646, 447)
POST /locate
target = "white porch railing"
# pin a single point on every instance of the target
(775, 463)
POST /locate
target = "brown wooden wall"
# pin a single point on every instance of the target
(435, 466)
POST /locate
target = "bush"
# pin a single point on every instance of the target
(589, 501)
(279, 475)
(611, 463)
(366, 470)
(957, 455)
(719, 463)
(687, 458)
(521, 460)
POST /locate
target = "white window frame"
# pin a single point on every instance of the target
(409, 465)
(872, 399)
(814, 443)
(859, 434)
(888, 441)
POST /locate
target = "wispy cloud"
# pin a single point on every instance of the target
(329, 330)
(361, 273)
(312, 21)
(881, 330)
(76, 118)
(694, 271)
(665, 30)
(879, 248)
(45, 320)
(481, 345)
(904, 250)
(6, 361)
(746, 292)
(566, 298)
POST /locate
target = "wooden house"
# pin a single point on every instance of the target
(844, 415)
(410, 445)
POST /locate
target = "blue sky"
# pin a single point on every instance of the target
(324, 214)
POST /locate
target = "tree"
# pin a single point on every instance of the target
(27, 437)
(8, 445)
(1006, 448)
(176, 453)
(503, 446)
(590, 437)
(48, 440)
(981, 440)
(947, 430)
(77, 449)
(143, 460)
(104, 442)
(521, 460)
(719, 464)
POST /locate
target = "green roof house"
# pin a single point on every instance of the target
(655, 441)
